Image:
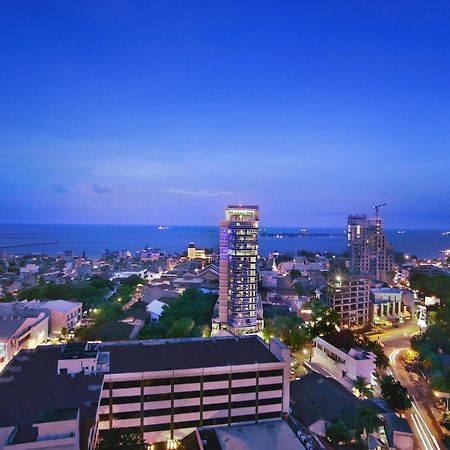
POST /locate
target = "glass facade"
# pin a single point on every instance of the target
(238, 293)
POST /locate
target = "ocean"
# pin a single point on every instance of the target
(93, 239)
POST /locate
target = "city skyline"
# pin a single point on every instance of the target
(150, 114)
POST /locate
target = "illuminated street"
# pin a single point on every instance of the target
(426, 429)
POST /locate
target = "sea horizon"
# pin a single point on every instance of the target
(53, 239)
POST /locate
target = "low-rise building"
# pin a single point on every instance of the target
(386, 304)
(196, 253)
(317, 401)
(62, 313)
(20, 331)
(273, 435)
(344, 366)
(155, 310)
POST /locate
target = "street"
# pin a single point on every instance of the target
(427, 432)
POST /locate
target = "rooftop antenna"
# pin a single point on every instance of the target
(377, 209)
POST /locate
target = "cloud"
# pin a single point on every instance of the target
(60, 189)
(199, 192)
(101, 189)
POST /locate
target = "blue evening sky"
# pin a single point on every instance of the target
(166, 111)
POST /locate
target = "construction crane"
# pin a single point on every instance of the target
(377, 208)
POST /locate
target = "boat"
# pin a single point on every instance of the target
(446, 233)
(401, 231)
(163, 227)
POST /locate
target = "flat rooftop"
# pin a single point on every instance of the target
(274, 435)
(30, 385)
(173, 354)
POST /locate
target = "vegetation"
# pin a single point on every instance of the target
(434, 340)
(338, 432)
(367, 422)
(287, 328)
(90, 293)
(120, 438)
(294, 274)
(346, 339)
(351, 427)
(299, 289)
(438, 286)
(445, 420)
(324, 320)
(395, 394)
(360, 385)
(189, 316)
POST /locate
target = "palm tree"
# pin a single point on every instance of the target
(360, 385)
(368, 421)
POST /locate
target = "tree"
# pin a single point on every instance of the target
(445, 420)
(299, 289)
(287, 328)
(324, 320)
(360, 385)
(181, 328)
(395, 394)
(132, 281)
(294, 273)
(368, 421)
(338, 432)
(120, 438)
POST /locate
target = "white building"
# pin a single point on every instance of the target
(387, 304)
(26, 331)
(62, 313)
(145, 274)
(343, 366)
(155, 309)
(29, 268)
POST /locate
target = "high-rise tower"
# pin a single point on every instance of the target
(240, 310)
(370, 252)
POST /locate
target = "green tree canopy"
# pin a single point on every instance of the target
(338, 432)
(324, 320)
(395, 394)
(181, 328)
(191, 314)
(287, 328)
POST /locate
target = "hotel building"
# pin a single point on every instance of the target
(161, 389)
(240, 309)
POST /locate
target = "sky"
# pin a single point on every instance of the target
(164, 112)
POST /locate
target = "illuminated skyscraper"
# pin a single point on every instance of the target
(370, 252)
(240, 309)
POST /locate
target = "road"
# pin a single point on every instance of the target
(421, 418)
